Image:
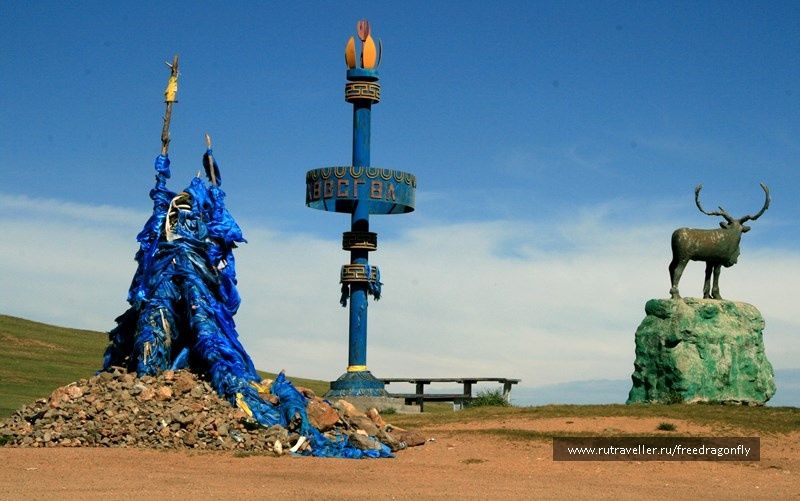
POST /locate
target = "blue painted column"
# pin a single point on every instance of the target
(359, 222)
(361, 90)
(360, 190)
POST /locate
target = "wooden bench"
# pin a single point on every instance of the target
(419, 397)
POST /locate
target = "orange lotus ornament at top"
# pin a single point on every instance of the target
(350, 53)
(370, 52)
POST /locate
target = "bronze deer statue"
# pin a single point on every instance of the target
(717, 248)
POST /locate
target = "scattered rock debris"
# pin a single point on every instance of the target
(177, 410)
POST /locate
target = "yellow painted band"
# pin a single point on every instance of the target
(172, 89)
(356, 368)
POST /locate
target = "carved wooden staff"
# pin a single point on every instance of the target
(170, 95)
(208, 162)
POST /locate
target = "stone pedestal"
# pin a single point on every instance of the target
(701, 350)
(383, 404)
(356, 384)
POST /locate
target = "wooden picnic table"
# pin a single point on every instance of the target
(419, 396)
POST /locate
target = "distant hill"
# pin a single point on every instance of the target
(788, 394)
(600, 391)
(36, 358)
(615, 391)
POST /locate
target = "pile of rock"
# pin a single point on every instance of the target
(176, 410)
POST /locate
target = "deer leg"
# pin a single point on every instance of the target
(715, 290)
(675, 271)
(707, 283)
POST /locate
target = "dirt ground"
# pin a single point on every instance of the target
(460, 462)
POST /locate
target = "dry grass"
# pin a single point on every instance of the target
(762, 420)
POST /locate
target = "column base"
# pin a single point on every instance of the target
(356, 384)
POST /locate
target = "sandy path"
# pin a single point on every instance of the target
(458, 463)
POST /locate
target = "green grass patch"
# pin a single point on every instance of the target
(488, 398)
(665, 426)
(37, 358)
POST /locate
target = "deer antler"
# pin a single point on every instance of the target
(722, 212)
(766, 206)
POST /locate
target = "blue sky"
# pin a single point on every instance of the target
(556, 146)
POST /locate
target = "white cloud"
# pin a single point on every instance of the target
(545, 301)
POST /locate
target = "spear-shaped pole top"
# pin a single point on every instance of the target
(173, 65)
(208, 162)
(171, 92)
(170, 96)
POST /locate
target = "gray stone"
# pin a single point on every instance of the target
(363, 404)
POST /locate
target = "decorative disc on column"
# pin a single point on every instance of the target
(359, 273)
(364, 240)
(362, 90)
(386, 191)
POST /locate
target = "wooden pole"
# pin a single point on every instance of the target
(211, 173)
(170, 97)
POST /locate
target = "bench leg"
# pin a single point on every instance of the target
(507, 392)
(420, 391)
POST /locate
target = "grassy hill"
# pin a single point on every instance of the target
(37, 358)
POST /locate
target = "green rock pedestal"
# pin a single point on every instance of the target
(701, 350)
